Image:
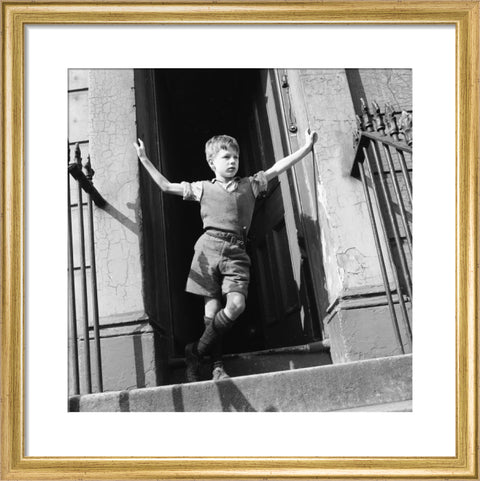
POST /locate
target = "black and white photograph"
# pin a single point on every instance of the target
(240, 240)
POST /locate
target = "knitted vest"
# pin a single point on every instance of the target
(230, 211)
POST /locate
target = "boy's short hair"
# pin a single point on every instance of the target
(219, 142)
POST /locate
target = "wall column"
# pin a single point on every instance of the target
(357, 320)
(127, 338)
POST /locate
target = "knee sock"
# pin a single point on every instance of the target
(216, 351)
(222, 323)
(213, 332)
(208, 339)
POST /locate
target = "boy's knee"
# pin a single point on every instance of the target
(235, 304)
(212, 306)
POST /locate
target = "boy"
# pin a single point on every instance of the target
(220, 266)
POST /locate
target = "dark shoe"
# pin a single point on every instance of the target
(192, 361)
(219, 373)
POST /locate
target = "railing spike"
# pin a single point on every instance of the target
(379, 123)
(78, 154)
(355, 139)
(367, 122)
(84, 175)
(89, 172)
(391, 121)
(406, 122)
(357, 133)
(359, 122)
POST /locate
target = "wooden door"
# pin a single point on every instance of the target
(272, 272)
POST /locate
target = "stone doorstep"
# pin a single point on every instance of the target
(362, 384)
(260, 362)
(311, 348)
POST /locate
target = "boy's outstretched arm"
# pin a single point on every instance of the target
(164, 184)
(289, 161)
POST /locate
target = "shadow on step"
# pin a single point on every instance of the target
(231, 398)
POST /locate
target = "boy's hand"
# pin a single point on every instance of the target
(140, 148)
(310, 137)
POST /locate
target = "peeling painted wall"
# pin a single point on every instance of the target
(322, 100)
(327, 100)
(112, 131)
(393, 86)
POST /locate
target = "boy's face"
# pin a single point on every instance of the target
(225, 164)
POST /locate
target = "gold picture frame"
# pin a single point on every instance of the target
(464, 15)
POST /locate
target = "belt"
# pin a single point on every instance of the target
(227, 236)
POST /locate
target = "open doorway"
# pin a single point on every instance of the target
(187, 108)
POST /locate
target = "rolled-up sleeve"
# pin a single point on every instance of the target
(259, 183)
(192, 191)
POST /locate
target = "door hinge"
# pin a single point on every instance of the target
(291, 120)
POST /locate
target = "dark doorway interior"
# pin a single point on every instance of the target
(192, 106)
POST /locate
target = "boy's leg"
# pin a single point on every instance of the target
(235, 305)
(210, 335)
(235, 274)
(212, 306)
(192, 353)
(223, 321)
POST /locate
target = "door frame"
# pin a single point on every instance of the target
(155, 260)
(156, 278)
(314, 296)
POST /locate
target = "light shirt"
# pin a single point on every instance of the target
(193, 190)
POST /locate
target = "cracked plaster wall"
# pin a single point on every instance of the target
(112, 129)
(393, 86)
(323, 102)
(127, 363)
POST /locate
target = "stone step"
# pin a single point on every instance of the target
(366, 385)
(399, 406)
(259, 362)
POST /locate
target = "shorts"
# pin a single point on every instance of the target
(220, 265)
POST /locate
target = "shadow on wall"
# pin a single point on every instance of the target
(122, 218)
(393, 201)
(313, 287)
(139, 362)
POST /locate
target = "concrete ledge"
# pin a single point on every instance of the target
(398, 407)
(326, 388)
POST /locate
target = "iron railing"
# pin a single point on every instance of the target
(83, 175)
(383, 163)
